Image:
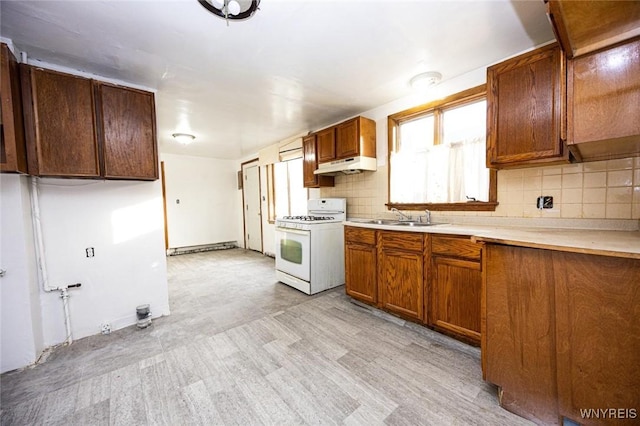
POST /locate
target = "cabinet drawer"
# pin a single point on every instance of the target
(360, 235)
(457, 247)
(402, 240)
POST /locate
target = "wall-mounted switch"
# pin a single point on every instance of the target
(545, 202)
(90, 252)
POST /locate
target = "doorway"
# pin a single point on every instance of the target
(251, 206)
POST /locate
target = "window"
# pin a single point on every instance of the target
(437, 155)
(287, 194)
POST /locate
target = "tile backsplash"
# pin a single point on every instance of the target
(595, 190)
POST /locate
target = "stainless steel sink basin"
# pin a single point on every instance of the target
(383, 222)
(415, 224)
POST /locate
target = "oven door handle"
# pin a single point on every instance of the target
(293, 231)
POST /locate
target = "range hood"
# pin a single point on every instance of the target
(347, 166)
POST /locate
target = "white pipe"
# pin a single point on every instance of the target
(64, 295)
(43, 274)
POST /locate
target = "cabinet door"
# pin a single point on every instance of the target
(13, 155)
(401, 282)
(604, 103)
(455, 297)
(360, 272)
(526, 109)
(310, 165)
(60, 124)
(518, 330)
(598, 334)
(127, 119)
(326, 144)
(347, 139)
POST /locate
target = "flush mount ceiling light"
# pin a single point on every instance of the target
(183, 138)
(425, 80)
(235, 10)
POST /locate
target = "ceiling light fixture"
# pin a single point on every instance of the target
(235, 10)
(425, 80)
(183, 138)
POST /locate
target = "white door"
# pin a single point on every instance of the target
(252, 217)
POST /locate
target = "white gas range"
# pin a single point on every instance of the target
(310, 249)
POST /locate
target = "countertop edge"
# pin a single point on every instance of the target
(625, 244)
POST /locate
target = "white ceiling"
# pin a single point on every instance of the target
(295, 66)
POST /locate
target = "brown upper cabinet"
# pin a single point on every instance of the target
(326, 144)
(603, 115)
(582, 27)
(352, 138)
(310, 164)
(356, 137)
(526, 109)
(13, 155)
(127, 124)
(78, 127)
(60, 124)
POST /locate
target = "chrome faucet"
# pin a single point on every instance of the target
(399, 213)
(427, 216)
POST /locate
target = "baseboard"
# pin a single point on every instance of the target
(205, 247)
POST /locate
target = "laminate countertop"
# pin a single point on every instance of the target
(598, 242)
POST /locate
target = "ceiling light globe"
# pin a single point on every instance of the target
(233, 7)
(218, 4)
(183, 138)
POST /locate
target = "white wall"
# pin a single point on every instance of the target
(209, 200)
(123, 222)
(20, 318)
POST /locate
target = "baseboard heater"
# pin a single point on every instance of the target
(204, 247)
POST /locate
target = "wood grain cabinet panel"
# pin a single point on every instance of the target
(585, 26)
(526, 102)
(128, 130)
(598, 334)
(361, 264)
(356, 137)
(604, 103)
(518, 336)
(77, 127)
(401, 276)
(310, 165)
(455, 292)
(326, 145)
(13, 153)
(60, 124)
(561, 333)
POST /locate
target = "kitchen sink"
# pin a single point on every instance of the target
(398, 222)
(415, 224)
(383, 222)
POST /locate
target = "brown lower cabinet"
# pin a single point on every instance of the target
(401, 275)
(430, 279)
(456, 286)
(561, 334)
(361, 264)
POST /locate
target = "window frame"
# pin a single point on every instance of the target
(436, 108)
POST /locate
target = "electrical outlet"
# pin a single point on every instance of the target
(545, 202)
(105, 328)
(90, 251)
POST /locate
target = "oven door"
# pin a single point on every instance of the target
(293, 252)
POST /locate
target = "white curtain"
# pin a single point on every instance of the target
(441, 174)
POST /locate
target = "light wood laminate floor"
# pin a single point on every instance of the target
(241, 348)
